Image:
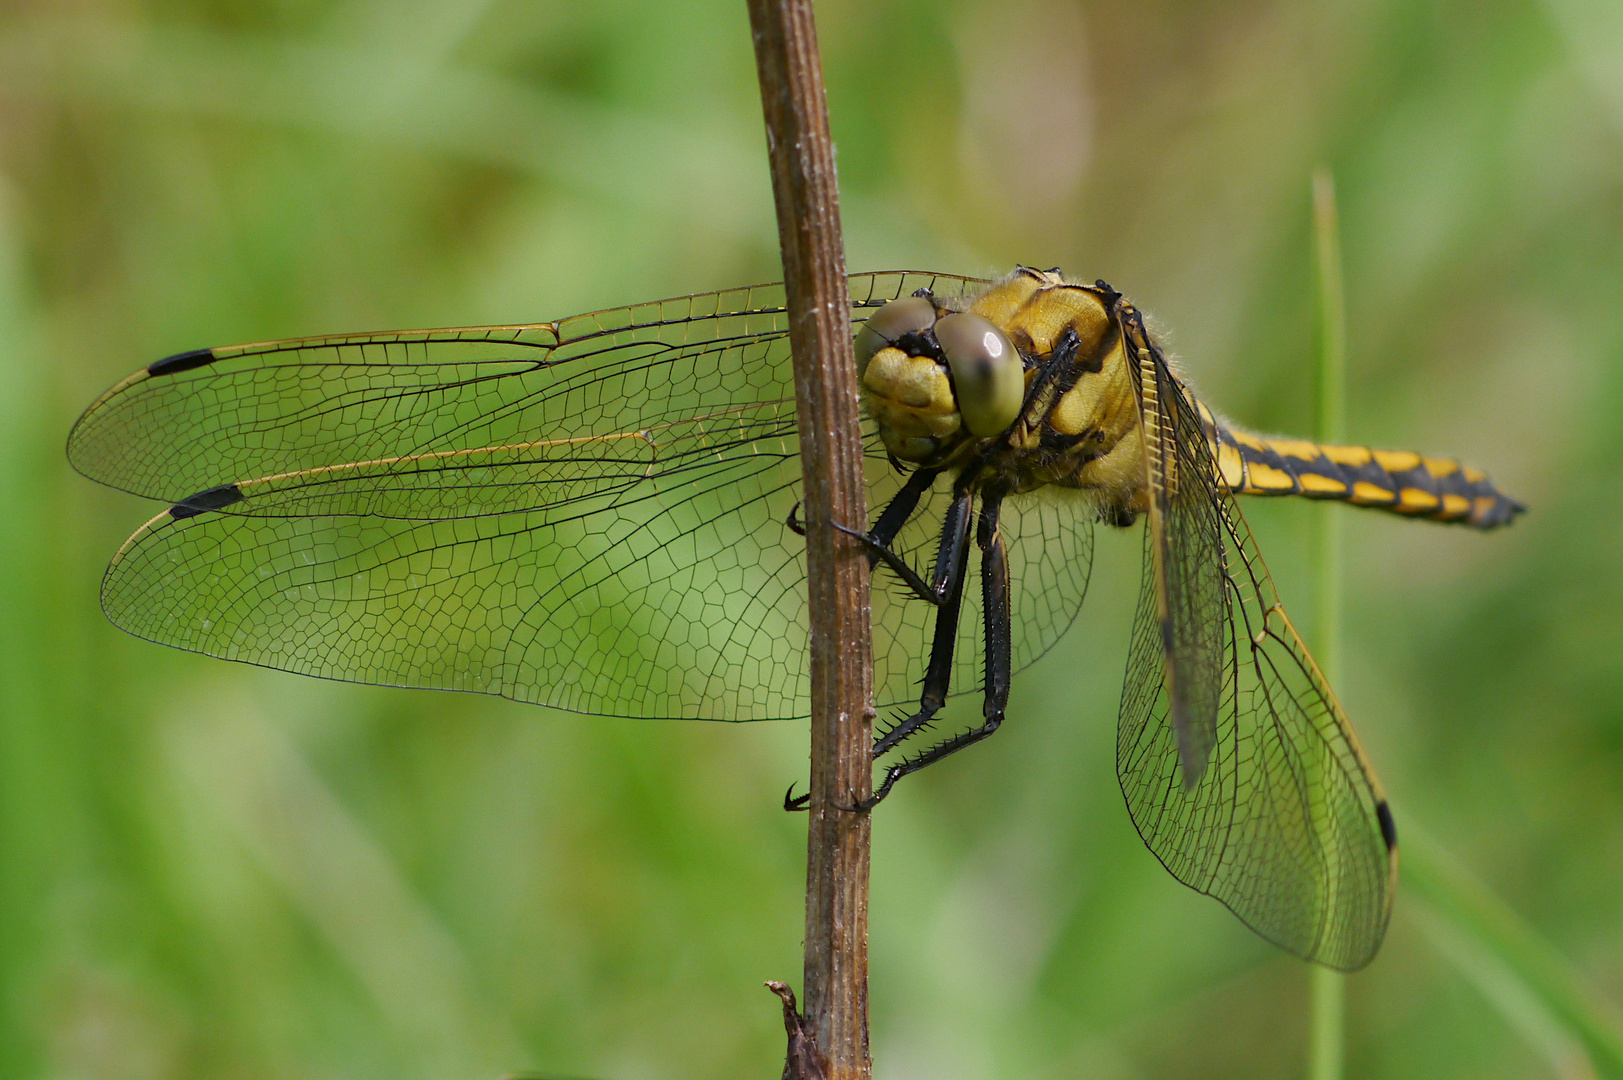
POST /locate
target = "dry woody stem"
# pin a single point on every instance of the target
(803, 183)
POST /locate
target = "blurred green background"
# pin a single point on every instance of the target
(208, 870)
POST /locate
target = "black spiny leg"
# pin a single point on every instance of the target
(890, 522)
(995, 601)
(945, 579)
(899, 509)
(995, 597)
(947, 591)
(885, 527)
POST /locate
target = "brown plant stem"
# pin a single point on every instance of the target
(803, 184)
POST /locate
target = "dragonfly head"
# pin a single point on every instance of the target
(933, 378)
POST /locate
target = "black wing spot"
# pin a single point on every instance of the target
(1389, 828)
(185, 361)
(213, 498)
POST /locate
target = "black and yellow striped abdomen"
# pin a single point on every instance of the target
(1400, 481)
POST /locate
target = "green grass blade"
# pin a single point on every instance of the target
(1524, 976)
(1327, 1038)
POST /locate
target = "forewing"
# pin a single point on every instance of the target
(1184, 545)
(589, 514)
(448, 423)
(1285, 823)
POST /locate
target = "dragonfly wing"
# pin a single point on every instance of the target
(340, 418)
(1183, 558)
(588, 514)
(1266, 802)
(680, 603)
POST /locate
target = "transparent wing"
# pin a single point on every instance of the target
(453, 423)
(1261, 796)
(588, 513)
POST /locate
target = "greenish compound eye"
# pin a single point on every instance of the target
(986, 372)
(909, 315)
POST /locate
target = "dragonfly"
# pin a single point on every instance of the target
(598, 514)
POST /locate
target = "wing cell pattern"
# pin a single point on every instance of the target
(589, 514)
(1282, 820)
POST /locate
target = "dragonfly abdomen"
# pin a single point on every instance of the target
(1399, 481)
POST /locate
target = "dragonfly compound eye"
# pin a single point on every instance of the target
(987, 373)
(909, 315)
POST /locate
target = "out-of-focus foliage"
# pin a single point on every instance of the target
(213, 871)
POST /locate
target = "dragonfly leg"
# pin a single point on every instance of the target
(952, 562)
(995, 602)
(995, 596)
(955, 530)
(948, 580)
(878, 553)
(889, 523)
(899, 509)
